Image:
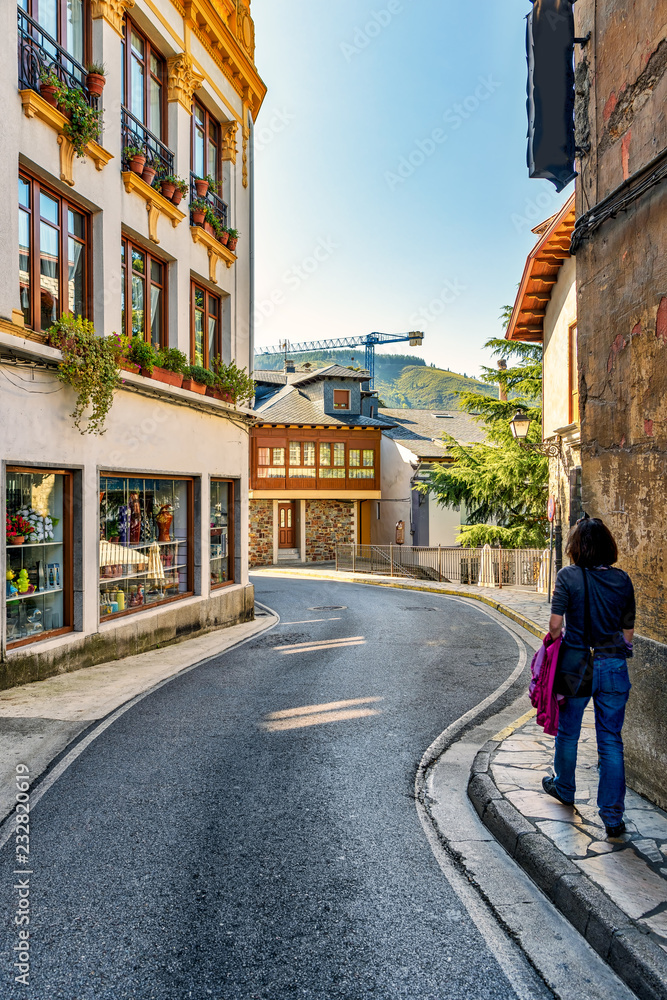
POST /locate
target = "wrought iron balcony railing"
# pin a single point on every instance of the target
(135, 134)
(39, 53)
(217, 205)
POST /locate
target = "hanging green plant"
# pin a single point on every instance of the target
(234, 380)
(84, 123)
(89, 366)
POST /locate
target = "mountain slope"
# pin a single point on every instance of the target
(428, 388)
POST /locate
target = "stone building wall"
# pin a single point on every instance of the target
(261, 533)
(622, 335)
(328, 523)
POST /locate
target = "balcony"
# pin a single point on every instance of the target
(133, 133)
(218, 206)
(39, 53)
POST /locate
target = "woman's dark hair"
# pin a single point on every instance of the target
(591, 543)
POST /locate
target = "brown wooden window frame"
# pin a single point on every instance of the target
(68, 552)
(231, 533)
(196, 286)
(345, 404)
(126, 274)
(126, 59)
(209, 120)
(34, 322)
(31, 8)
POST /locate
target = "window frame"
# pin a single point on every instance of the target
(197, 285)
(65, 204)
(126, 60)
(231, 532)
(216, 174)
(126, 275)
(31, 8)
(341, 392)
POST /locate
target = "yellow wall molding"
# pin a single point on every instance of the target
(246, 135)
(229, 149)
(34, 106)
(113, 12)
(156, 205)
(216, 251)
(182, 80)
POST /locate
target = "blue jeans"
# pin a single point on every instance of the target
(611, 687)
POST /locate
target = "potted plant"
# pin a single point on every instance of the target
(96, 79)
(168, 186)
(142, 354)
(198, 209)
(233, 239)
(120, 346)
(84, 122)
(136, 157)
(224, 235)
(232, 384)
(89, 366)
(48, 85)
(148, 173)
(171, 366)
(18, 529)
(210, 220)
(197, 379)
(180, 191)
(201, 184)
(212, 184)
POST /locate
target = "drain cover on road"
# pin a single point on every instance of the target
(330, 607)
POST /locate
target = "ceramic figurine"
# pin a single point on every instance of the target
(164, 521)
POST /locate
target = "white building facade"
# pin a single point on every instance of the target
(141, 533)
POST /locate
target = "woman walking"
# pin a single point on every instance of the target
(598, 603)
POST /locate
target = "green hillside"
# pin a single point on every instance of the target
(428, 388)
(387, 366)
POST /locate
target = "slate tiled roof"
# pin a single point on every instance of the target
(290, 406)
(301, 377)
(421, 430)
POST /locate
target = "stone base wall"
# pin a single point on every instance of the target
(261, 533)
(645, 730)
(328, 523)
(130, 636)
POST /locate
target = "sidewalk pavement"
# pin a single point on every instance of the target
(39, 720)
(613, 891)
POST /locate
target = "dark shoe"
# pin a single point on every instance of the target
(549, 786)
(615, 831)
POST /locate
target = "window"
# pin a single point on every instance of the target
(54, 251)
(271, 463)
(332, 455)
(39, 554)
(573, 376)
(63, 20)
(341, 399)
(146, 534)
(361, 463)
(205, 340)
(302, 460)
(143, 81)
(206, 145)
(222, 533)
(143, 301)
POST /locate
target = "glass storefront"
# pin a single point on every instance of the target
(222, 541)
(38, 567)
(145, 542)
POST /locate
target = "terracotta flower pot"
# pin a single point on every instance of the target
(226, 397)
(137, 163)
(231, 245)
(129, 366)
(148, 174)
(169, 378)
(177, 196)
(168, 188)
(198, 217)
(224, 237)
(209, 228)
(202, 187)
(192, 386)
(16, 539)
(48, 92)
(95, 83)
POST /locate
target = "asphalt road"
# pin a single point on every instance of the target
(214, 842)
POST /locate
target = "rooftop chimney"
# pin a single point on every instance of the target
(502, 395)
(289, 366)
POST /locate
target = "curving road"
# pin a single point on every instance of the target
(249, 830)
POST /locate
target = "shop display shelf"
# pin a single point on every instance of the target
(35, 593)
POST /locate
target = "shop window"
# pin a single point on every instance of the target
(341, 399)
(143, 294)
(206, 146)
(222, 532)
(39, 554)
(205, 341)
(146, 535)
(143, 92)
(54, 251)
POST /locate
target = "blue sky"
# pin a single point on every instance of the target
(391, 185)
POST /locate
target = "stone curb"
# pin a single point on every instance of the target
(515, 616)
(631, 953)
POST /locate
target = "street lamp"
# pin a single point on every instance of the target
(519, 426)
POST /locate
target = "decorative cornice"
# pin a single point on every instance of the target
(113, 12)
(34, 106)
(229, 149)
(156, 205)
(216, 251)
(182, 80)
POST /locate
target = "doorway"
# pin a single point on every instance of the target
(287, 525)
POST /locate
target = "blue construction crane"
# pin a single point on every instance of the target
(368, 341)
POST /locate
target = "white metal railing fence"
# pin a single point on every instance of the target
(445, 564)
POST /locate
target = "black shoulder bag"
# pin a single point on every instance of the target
(574, 677)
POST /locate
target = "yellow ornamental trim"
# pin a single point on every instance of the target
(229, 149)
(113, 11)
(182, 80)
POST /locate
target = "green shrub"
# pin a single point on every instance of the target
(172, 360)
(142, 354)
(234, 380)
